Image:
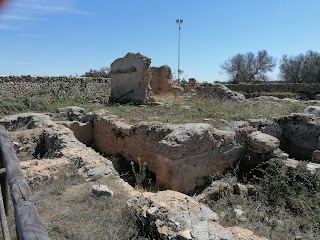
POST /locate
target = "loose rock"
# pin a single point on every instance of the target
(101, 190)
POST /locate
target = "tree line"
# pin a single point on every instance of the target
(250, 67)
(102, 72)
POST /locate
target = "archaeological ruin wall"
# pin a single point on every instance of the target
(130, 79)
(95, 89)
(161, 80)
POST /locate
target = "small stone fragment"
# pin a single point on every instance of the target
(99, 171)
(185, 234)
(102, 190)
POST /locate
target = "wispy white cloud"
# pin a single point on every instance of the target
(48, 6)
(33, 36)
(17, 17)
(7, 27)
(21, 11)
(20, 62)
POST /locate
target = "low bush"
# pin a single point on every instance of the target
(286, 205)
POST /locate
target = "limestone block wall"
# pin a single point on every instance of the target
(181, 156)
(98, 89)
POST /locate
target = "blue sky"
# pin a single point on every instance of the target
(69, 37)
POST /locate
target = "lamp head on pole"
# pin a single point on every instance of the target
(179, 21)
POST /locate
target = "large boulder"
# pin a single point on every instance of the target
(262, 143)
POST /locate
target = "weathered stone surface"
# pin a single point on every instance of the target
(99, 171)
(316, 156)
(172, 215)
(242, 234)
(274, 100)
(180, 155)
(161, 81)
(299, 135)
(220, 91)
(93, 89)
(26, 121)
(73, 113)
(130, 79)
(192, 152)
(82, 131)
(101, 190)
(262, 143)
(113, 136)
(216, 190)
(315, 110)
(311, 167)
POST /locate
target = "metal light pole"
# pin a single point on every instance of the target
(179, 22)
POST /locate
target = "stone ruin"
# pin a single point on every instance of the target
(130, 79)
(161, 81)
(133, 81)
(45, 148)
(181, 156)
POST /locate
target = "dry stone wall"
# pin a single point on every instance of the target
(97, 89)
(305, 90)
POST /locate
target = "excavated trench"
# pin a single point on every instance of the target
(298, 135)
(35, 144)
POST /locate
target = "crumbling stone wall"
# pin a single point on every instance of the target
(161, 80)
(97, 89)
(305, 90)
(130, 79)
(181, 156)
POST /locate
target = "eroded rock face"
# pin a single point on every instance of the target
(82, 131)
(180, 155)
(161, 80)
(113, 136)
(262, 143)
(192, 152)
(26, 121)
(130, 79)
(173, 215)
(300, 135)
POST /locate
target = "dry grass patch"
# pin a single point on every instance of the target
(70, 211)
(188, 108)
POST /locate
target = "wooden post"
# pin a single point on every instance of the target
(4, 188)
(4, 223)
(28, 221)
